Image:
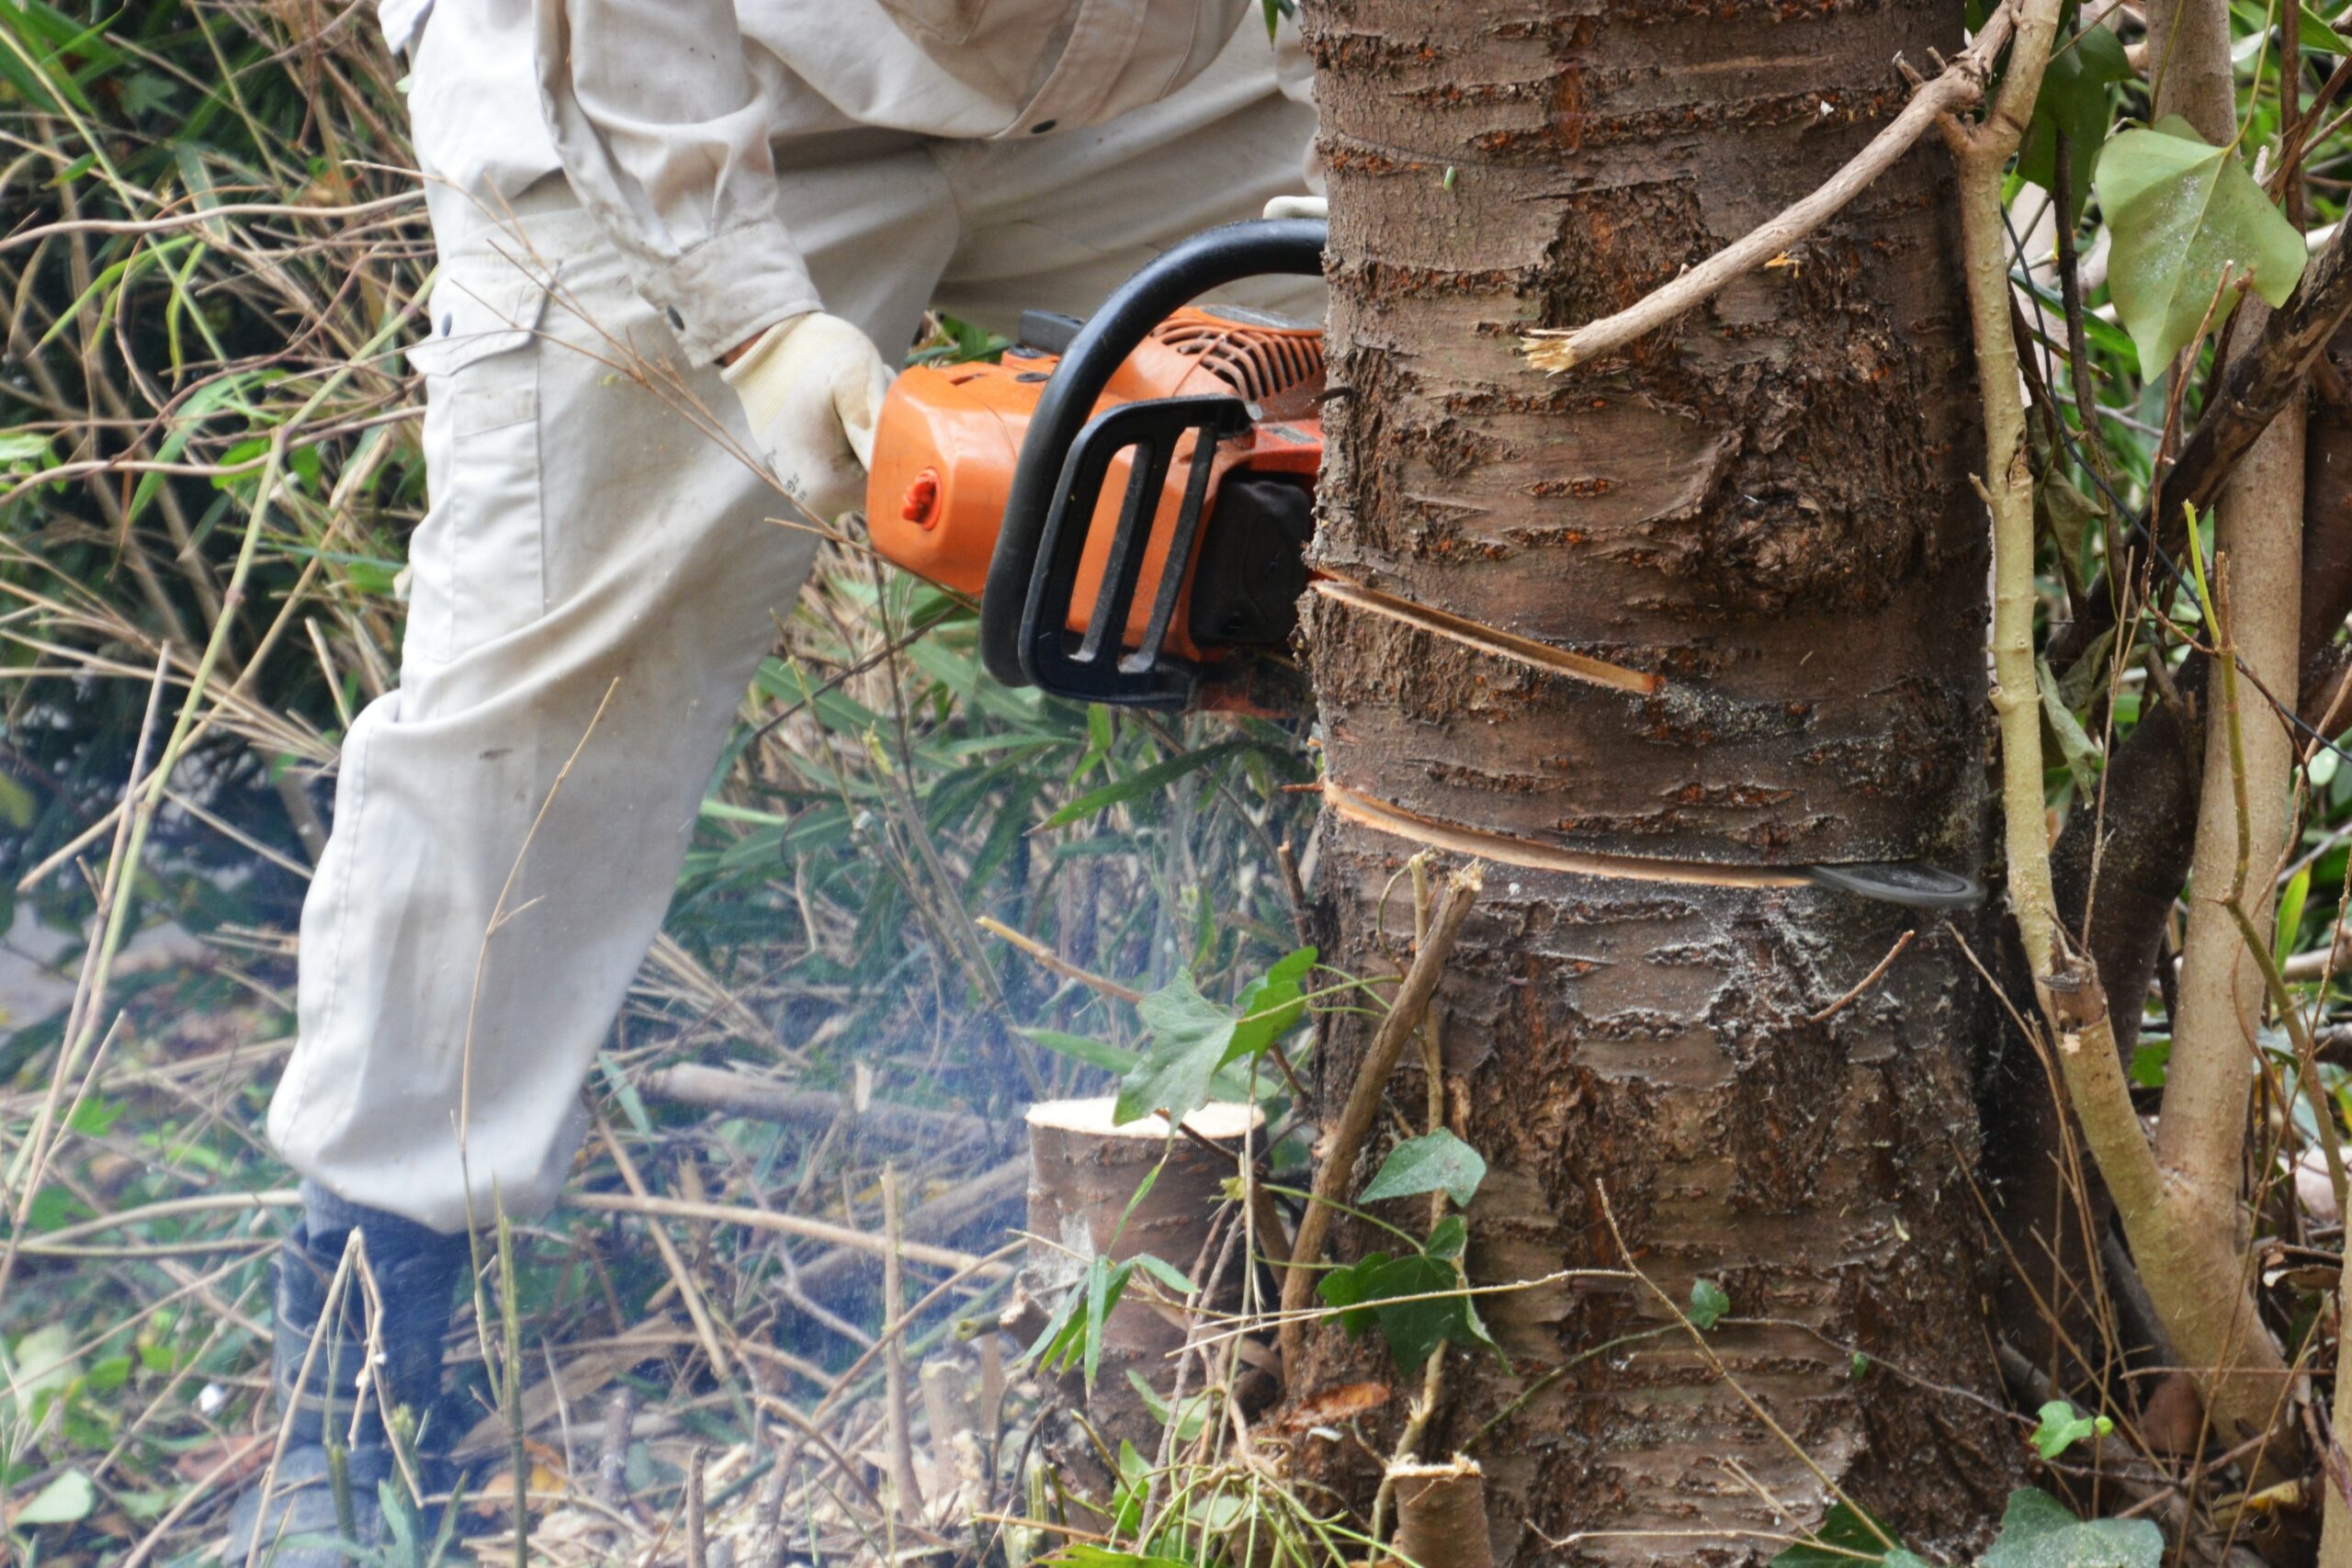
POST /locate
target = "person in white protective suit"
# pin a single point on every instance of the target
(683, 244)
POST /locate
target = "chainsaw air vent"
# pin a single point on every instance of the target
(1257, 363)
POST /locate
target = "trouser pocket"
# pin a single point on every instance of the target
(478, 560)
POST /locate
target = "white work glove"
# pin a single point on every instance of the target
(1299, 207)
(811, 386)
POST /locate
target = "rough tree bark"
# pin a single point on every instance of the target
(1741, 574)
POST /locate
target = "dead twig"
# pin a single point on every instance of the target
(1867, 981)
(906, 1496)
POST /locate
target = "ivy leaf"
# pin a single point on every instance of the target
(2062, 1427)
(1192, 1038)
(1708, 1303)
(1439, 1161)
(17, 807)
(2077, 98)
(1413, 1328)
(1847, 1539)
(1270, 1006)
(2038, 1531)
(1345, 1288)
(2180, 211)
(1189, 1035)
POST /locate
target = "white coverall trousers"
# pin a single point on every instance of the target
(473, 928)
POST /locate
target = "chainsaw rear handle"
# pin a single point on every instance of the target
(1178, 276)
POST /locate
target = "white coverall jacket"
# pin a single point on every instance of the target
(621, 190)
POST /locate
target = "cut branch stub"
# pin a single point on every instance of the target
(1441, 1515)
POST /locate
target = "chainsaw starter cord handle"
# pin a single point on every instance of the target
(1179, 275)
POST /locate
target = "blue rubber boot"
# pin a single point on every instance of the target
(415, 1272)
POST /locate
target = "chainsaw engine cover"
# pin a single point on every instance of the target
(949, 438)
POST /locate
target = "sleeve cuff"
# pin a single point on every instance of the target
(732, 286)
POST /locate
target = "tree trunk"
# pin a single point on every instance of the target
(1741, 572)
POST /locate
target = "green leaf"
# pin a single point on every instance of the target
(1346, 1287)
(1094, 1052)
(2291, 900)
(1436, 1162)
(1708, 1303)
(1189, 1421)
(2060, 1427)
(1846, 1539)
(1143, 781)
(1166, 1273)
(1189, 1035)
(24, 445)
(1413, 1329)
(2077, 98)
(1085, 1554)
(2181, 211)
(2038, 1531)
(1449, 1238)
(1104, 1284)
(2152, 1063)
(66, 1500)
(40, 1364)
(2317, 36)
(2082, 756)
(17, 807)
(1270, 1006)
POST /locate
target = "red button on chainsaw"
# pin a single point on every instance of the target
(920, 502)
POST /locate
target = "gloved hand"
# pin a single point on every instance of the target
(1299, 207)
(811, 386)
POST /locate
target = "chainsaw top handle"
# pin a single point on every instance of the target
(1179, 275)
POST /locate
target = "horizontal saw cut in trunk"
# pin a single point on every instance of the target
(1657, 638)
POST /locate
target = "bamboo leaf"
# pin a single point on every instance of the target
(2291, 900)
(1143, 782)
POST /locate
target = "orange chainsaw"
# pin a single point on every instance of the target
(1131, 496)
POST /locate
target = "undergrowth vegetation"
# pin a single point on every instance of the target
(917, 903)
(225, 230)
